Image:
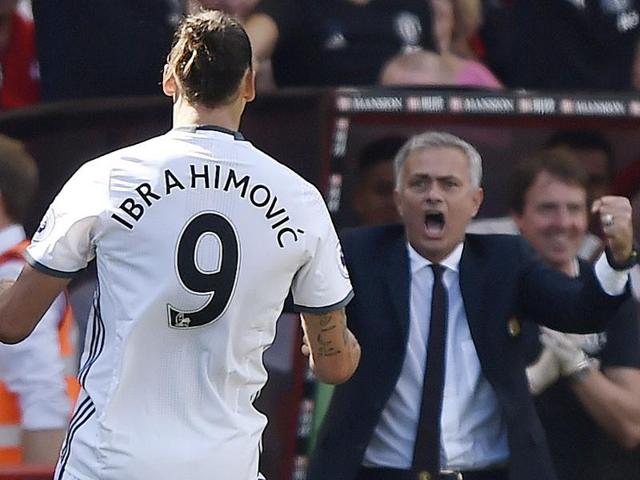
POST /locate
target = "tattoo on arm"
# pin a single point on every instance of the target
(326, 347)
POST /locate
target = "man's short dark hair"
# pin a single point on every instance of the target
(378, 151)
(584, 140)
(557, 164)
(18, 178)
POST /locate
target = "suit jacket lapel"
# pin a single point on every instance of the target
(399, 282)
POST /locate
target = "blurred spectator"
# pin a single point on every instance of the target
(336, 42)
(595, 154)
(579, 404)
(19, 71)
(455, 22)
(373, 192)
(103, 48)
(562, 44)
(34, 397)
(429, 68)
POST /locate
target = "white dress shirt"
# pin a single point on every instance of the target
(473, 429)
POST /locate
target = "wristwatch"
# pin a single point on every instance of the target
(627, 264)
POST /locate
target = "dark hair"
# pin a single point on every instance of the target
(378, 151)
(18, 178)
(584, 140)
(211, 52)
(557, 164)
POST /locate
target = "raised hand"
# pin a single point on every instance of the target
(615, 216)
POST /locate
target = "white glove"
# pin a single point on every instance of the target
(565, 347)
(589, 343)
(544, 372)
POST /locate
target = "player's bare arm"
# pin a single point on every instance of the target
(24, 302)
(334, 352)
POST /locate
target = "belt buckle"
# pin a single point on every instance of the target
(451, 475)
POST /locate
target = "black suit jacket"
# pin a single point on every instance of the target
(500, 278)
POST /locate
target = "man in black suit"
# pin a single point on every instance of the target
(486, 427)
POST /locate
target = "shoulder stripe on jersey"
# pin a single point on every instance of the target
(49, 271)
(328, 308)
(84, 412)
(97, 338)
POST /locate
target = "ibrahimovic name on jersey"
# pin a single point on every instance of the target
(198, 238)
(259, 195)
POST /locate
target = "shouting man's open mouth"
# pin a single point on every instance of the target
(434, 222)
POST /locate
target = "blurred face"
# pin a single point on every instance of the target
(436, 200)
(554, 219)
(373, 199)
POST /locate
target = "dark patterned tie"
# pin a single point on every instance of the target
(426, 453)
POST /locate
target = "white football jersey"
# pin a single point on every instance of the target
(198, 237)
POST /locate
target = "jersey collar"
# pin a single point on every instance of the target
(216, 128)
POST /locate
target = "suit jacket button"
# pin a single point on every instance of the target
(513, 327)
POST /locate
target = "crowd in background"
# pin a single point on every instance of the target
(116, 48)
(66, 50)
